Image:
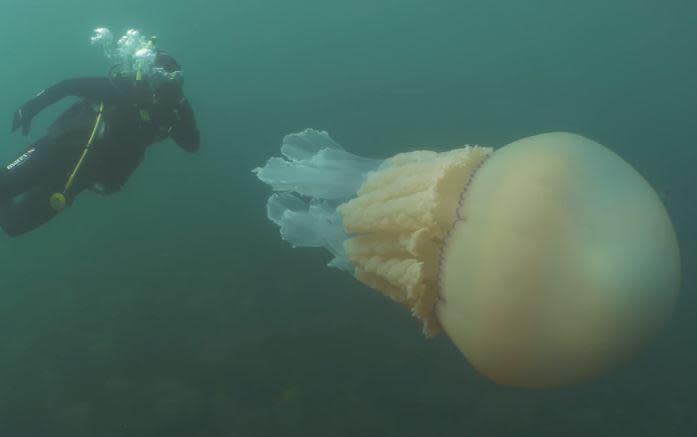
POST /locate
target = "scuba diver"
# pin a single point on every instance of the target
(98, 142)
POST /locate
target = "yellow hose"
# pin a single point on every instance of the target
(58, 200)
(97, 122)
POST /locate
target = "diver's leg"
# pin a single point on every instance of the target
(35, 166)
(27, 211)
(27, 183)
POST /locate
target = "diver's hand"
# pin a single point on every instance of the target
(22, 118)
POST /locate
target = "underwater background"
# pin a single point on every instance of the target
(174, 309)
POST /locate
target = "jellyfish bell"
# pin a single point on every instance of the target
(563, 256)
(547, 262)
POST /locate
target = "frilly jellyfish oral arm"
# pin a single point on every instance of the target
(313, 223)
(312, 178)
(315, 166)
(399, 224)
(394, 216)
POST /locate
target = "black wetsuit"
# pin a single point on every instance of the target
(134, 117)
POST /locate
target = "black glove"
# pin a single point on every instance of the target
(22, 118)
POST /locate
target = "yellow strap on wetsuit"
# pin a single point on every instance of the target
(58, 200)
(144, 113)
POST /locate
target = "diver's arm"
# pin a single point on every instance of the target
(184, 132)
(97, 88)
